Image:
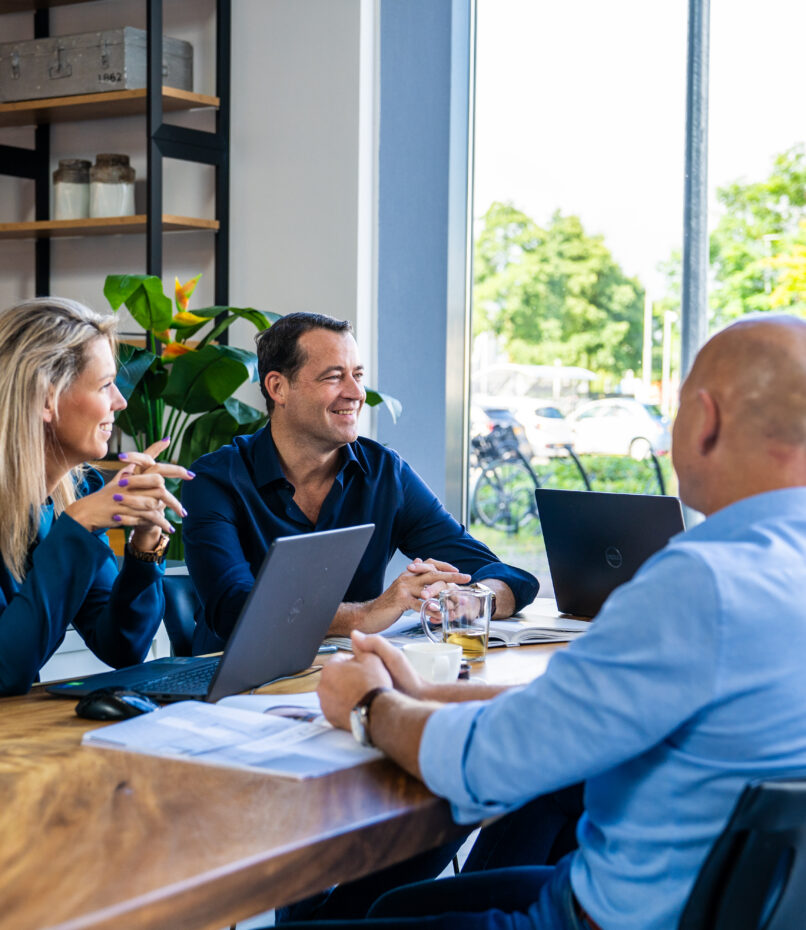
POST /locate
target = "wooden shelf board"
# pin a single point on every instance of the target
(21, 6)
(102, 226)
(105, 105)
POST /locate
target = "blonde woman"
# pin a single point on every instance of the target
(58, 400)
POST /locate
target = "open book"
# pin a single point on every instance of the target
(279, 734)
(539, 625)
(529, 632)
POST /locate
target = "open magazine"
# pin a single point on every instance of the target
(279, 734)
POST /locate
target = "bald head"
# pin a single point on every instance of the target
(756, 370)
(741, 427)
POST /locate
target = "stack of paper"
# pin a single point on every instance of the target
(278, 734)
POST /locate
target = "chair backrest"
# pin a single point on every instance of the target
(181, 603)
(754, 878)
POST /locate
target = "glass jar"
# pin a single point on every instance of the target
(111, 186)
(71, 189)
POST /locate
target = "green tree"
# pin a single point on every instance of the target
(755, 246)
(555, 293)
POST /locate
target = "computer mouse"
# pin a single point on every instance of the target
(114, 704)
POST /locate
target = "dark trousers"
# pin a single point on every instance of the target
(518, 898)
(539, 833)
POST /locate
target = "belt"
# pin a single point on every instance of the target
(584, 917)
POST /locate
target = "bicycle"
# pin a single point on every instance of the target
(503, 492)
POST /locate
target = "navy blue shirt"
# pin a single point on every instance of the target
(240, 501)
(72, 577)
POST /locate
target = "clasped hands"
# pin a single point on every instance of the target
(423, 578)
(375, 663)
(137, 498)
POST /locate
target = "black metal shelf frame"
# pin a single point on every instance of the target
(164, 141)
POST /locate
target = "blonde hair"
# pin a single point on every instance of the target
(43, 345)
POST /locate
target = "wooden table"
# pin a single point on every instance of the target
(93, 838)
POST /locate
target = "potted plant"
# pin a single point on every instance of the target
(181, 384)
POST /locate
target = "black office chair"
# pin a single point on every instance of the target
(181, 604)
(755, 875)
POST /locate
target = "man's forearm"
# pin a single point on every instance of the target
(504, 598)
(348, 618)
(397, 721)
(396, 726)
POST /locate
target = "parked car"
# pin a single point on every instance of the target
(619, 426)
(484, 419)
(547, 430)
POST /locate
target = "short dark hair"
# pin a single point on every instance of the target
(278, 347)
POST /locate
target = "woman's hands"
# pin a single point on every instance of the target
(137, 497)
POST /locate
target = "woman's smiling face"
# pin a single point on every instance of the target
(82, 426)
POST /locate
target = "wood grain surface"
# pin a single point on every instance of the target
(94, 838)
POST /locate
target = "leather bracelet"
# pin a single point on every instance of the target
(157, 554)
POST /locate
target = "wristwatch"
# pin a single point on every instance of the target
(484, 589)
(359, 717)
(155, 555)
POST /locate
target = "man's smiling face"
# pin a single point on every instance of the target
(323, 400)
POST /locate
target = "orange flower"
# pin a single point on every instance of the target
(188, 319)
(183, 291)
(174, 350)
(164, 336)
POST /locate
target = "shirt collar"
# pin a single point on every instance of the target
(267, 467)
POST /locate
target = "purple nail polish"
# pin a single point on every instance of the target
(184, 512)
(117, 497)
(123, 455)
(171, 530)
(117, 517)
(166, 439)
(123, 482)
(191, 474)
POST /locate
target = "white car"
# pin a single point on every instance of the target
(619, 426)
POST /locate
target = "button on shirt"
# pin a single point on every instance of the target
(689, 683)
(240, 501)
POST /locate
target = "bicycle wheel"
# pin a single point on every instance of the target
(504, 496)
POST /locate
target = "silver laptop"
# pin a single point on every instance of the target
(597, 540)
(295, 596)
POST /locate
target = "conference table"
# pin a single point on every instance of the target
(101, 839)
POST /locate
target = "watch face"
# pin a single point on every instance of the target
(357, 726)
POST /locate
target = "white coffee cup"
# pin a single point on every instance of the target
(436, 662)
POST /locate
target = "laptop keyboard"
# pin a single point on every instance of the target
(195, 680)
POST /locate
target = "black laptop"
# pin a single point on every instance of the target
(287, 614)
(597, 540)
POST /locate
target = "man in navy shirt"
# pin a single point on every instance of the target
(309, 470)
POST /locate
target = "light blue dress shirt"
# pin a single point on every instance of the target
(690, 682)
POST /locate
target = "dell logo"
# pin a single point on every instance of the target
(295, 610)
(613, 557)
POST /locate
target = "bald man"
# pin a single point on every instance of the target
(689, 684)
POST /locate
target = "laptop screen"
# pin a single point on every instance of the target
(597, 540)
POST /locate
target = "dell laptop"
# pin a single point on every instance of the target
(597, 540)
(295, 596)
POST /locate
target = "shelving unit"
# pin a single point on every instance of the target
(163, 141)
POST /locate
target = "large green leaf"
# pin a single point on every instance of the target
(392, 404)
(141, 414)
(143, 296)
(133, 363)
(202, 380)
(217, 428)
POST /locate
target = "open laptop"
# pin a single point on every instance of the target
(597, 540)
(295, 596)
